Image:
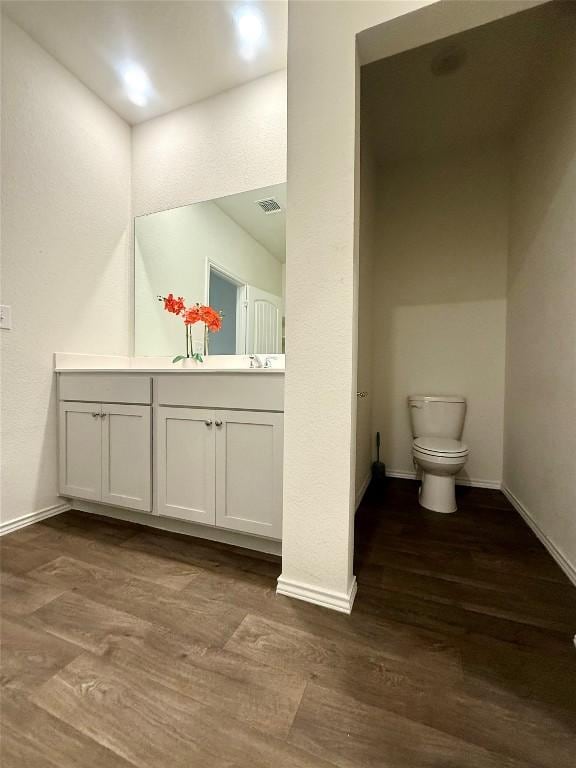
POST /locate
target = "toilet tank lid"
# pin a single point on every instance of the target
(437, 398)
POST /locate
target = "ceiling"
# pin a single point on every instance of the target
(268, 229)
(409, 111)
(189, 50)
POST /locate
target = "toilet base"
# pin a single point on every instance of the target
(438, 493)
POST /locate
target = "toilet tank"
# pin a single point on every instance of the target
(437, 415)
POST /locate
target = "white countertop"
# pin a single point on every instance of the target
(76, 363)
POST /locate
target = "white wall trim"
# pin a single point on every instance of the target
(32, 517)
(474, 482)
(337, 601)
(362, 490)
(221, 535)
(565, 565)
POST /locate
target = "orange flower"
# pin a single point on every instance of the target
(192, 315)
(199, 313)
(211, 318)
(175, 306)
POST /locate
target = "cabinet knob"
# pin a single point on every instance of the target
(208, 422)
(218, 423)
(95, 415)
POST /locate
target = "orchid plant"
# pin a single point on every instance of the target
(197, 313)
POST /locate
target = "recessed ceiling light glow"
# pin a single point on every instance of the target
(137, 98)
(250, 25)
(137, 83)
(250, 31)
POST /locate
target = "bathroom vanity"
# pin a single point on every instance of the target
(199, 445)
(195, 447)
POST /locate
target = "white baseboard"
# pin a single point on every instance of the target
(337, 601)
(221, 535)
(473, 482)
(362, 490)
(565, 565)
(32, 517)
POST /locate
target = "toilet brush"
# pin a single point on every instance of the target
(378, 468)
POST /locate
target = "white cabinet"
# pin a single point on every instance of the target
(221, 468)
(185, 464)
(212, 441)
(249, 446)
(80, 450)
(127, 456)
(105, 453)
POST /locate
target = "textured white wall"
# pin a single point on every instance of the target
(365, 434)
(540, 416)
(440, 298)
(321, 289)
(171, 252)
(65, 219)
(228, 143)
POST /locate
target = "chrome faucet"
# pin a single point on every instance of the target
(261, 361)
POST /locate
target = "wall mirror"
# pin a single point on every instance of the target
(228, 253)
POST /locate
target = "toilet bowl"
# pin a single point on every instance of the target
(437, 423)
(440, 460)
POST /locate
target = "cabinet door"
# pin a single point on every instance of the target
(80, 450)
(249, 448)
(185, 464)
(127, 456)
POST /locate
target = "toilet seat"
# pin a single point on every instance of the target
(440, 447)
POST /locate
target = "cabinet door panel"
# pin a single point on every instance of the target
(126, 456)
(80, 450)
(249, 448)
(185, 461)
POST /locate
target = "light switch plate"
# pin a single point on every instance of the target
(5, 317)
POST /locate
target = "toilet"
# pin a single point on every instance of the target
(437, 422)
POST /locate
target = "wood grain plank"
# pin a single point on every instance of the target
(16, 752)
(341, 664)
(192, 615)
(86, 623)
(458, 706)
(456, 620)
(33, 738)
(167, 572)
(72, 573)
(19, 558)
(266, 699)
(30, 656)
(21, 596)
(474, 569)
(351, 734)
(93, 527)
(152, 726)
(256, 594)
(553, 609)
(204, 554)
(24, 535)
(548, 679)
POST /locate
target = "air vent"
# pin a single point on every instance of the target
(269, 205)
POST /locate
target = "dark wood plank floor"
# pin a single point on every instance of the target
(123, 646)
